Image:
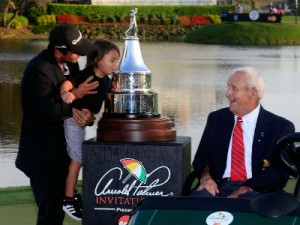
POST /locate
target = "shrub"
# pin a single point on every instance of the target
(165, 19)
(19, 21)
(110, 19)
(214, 18)
(82, 9)
(16, 24)
(34, 12)
(41, 20)
(178, 21)
(94, 18)
(46, 20)
(154, 21)
(121, 18)
(142, 18)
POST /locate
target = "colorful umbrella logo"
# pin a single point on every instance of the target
(135, 168)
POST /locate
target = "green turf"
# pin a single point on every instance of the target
(17, 206)
(248, 33)
(24, 214)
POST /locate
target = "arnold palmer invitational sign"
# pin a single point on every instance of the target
(117, 176)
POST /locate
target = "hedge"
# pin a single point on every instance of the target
(113, 11)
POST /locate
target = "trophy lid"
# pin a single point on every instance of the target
(132, 60)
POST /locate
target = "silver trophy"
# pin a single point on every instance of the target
(132, 94)
(131, 111)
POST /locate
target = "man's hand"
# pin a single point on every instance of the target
(83, 117)
(208, 183)
(85, 88)
(240, 191)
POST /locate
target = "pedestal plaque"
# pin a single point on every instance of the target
(117, 175)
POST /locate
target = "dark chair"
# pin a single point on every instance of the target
(190, 183)
(290, 154)
(276, 204)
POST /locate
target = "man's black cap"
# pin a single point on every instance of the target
(68, 37)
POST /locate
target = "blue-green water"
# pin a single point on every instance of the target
(189, 79)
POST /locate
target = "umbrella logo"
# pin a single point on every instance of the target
(135, 168)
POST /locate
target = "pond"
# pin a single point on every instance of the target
(190, 80)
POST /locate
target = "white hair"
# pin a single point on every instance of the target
(254, 80)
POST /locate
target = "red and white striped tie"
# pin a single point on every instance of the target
(238, 168)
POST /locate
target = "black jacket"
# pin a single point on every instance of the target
(42, 147)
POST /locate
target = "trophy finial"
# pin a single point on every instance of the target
(132, 25)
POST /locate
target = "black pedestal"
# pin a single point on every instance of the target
(116, 176)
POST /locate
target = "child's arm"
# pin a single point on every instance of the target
(65, 92)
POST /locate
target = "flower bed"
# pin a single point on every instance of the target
(199, 20)
(71, 19)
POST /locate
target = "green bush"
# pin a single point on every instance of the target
(121, 18)
(41, 20)
(33, 12)
(155, 21)
(177, 21)
(46, 20)
(110, 19)
(94, 18)
(165, 21)
(113, 11)
(23, 20)
(214, 18)
(142, 18)
(18, 22)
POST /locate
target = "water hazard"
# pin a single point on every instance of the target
(190, 81)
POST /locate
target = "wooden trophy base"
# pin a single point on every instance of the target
(136, 130)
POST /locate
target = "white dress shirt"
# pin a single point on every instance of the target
(248, 125)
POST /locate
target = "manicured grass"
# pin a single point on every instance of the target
(248, 33)
(20, 195)
(16, 195)
(17, 206)
(24, 214)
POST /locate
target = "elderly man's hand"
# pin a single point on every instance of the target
(208, 183)
(240, 191)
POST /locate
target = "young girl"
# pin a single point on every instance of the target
(102, 61)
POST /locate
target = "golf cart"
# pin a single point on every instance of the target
(268, 208)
